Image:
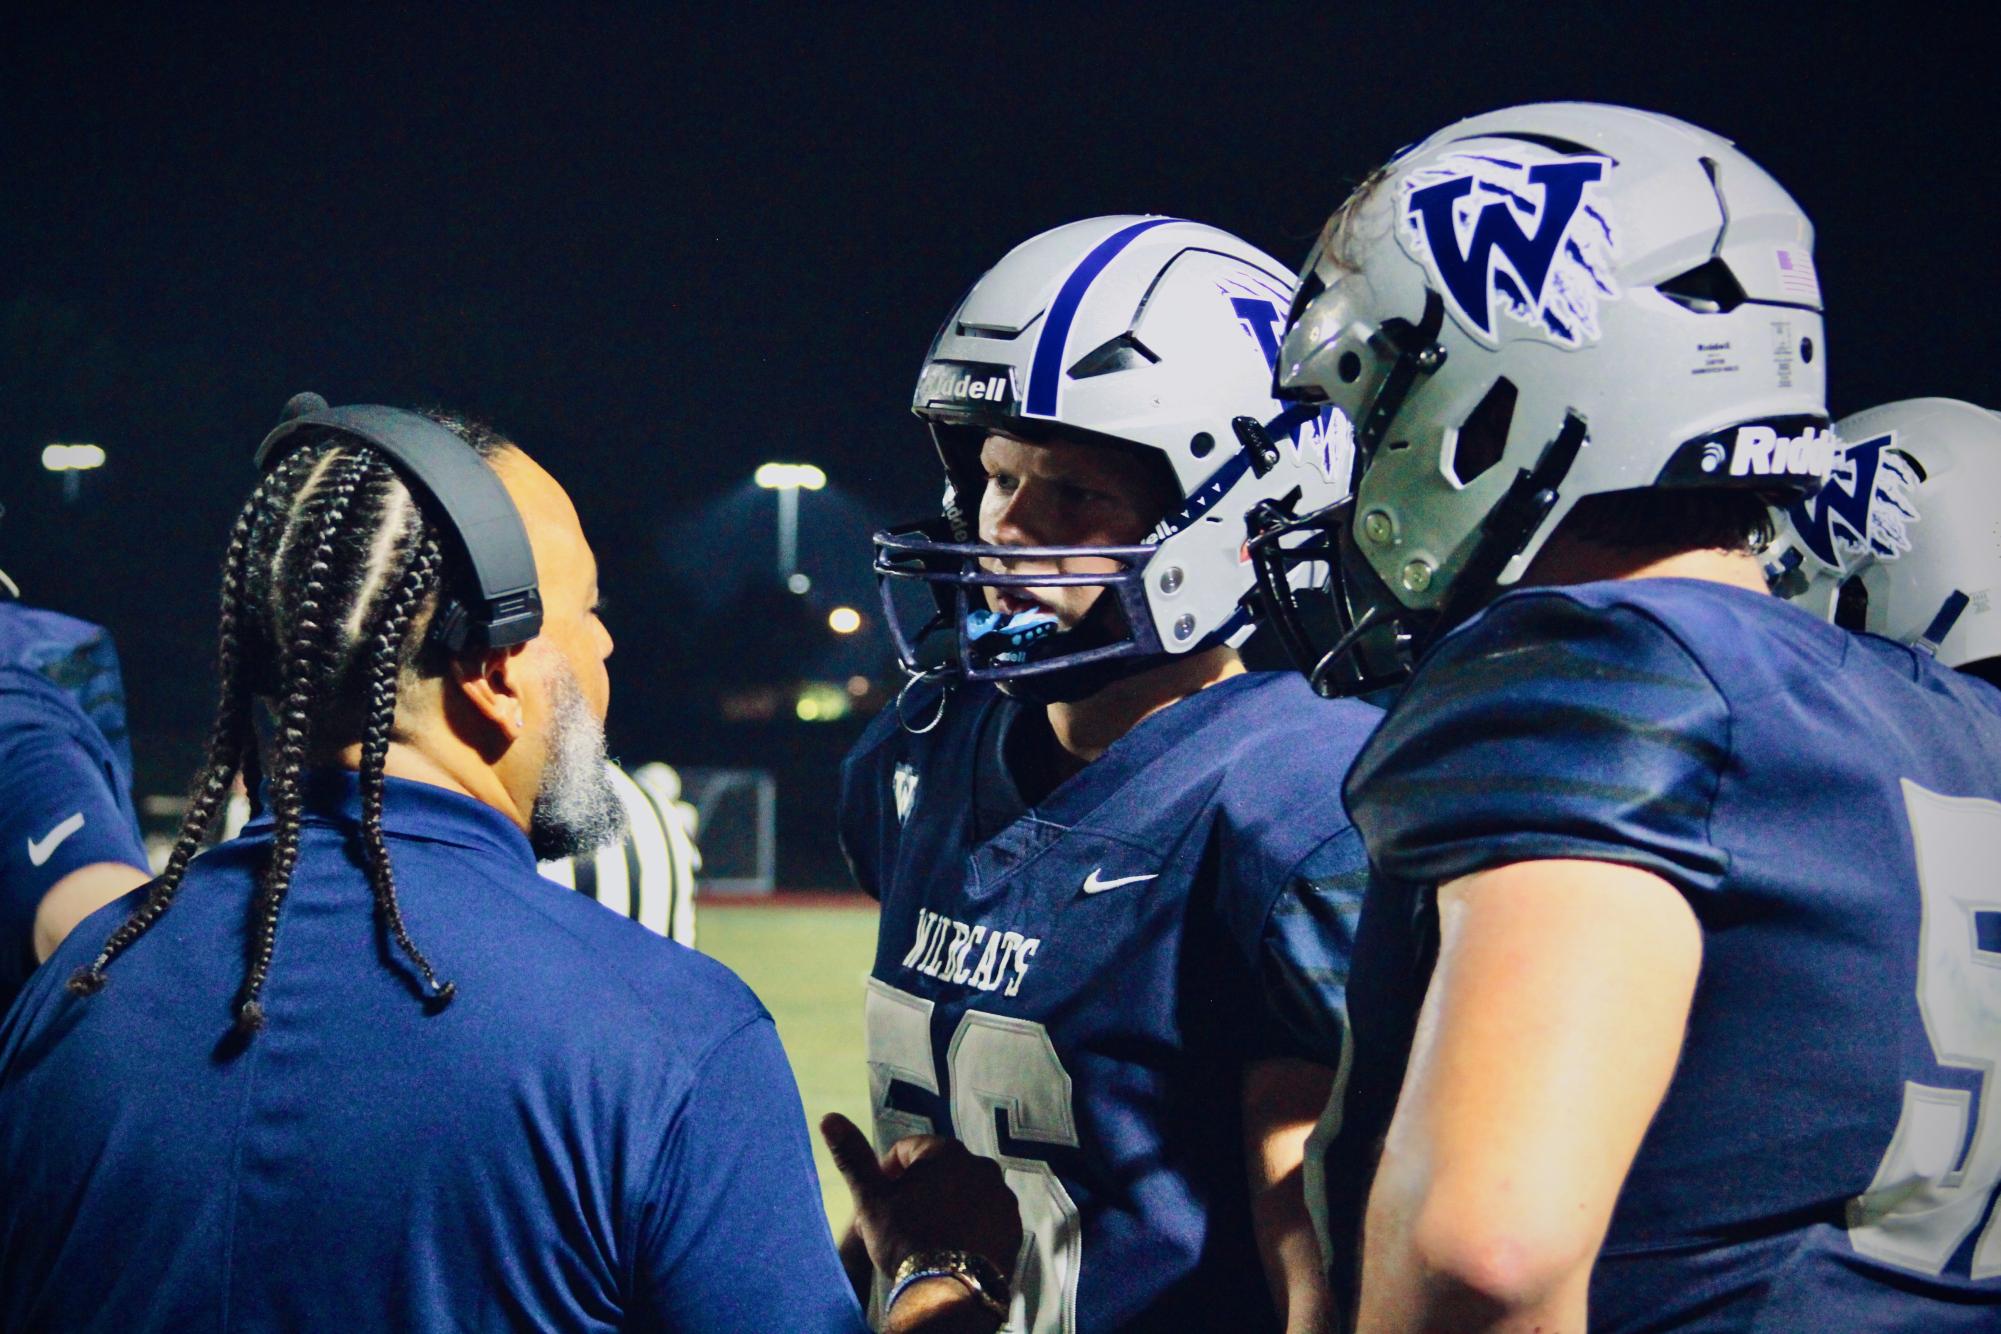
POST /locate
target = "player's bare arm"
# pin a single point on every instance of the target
(1283, 1102)
(1547, 1038)
(78, 895)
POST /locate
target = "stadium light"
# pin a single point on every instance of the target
(788, 480)
(72, 458)
(844, 620)
(789, 477)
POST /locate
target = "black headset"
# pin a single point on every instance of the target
(504, 604)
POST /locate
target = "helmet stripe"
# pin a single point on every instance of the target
(1045, 373)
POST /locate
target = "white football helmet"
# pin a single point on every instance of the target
(1905, 539)
(1145, 334)
(1537, 305)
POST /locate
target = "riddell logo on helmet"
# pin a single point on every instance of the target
(1760, 451)
(1787, 450)
(964, 384)
(992, 387)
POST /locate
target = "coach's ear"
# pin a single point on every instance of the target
(490, 696)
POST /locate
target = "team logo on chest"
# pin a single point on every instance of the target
(1526, 239)
(1865, 508)
(903, 788)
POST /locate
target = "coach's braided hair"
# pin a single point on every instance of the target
(332, 571)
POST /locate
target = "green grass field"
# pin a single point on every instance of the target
(808, 965)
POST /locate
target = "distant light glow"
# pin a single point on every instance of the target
(858, 686)
(821, 702)
(844, 620)
(72, 458)
(799, 583)
(789, 477)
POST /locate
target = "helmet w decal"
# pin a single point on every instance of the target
(1156, 336)
(1904, 541)
(1516, 236)
(1538, 305)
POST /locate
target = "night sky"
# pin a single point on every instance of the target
(658, 248)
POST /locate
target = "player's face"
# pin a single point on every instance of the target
(1061, 494)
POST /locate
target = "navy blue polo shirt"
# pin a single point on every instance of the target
(599, 1133)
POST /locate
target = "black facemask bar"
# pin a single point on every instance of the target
(924, 553)
(1278, 543)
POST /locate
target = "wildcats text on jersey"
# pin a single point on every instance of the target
(944, 949)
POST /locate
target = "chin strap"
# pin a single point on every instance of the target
(1949, 612)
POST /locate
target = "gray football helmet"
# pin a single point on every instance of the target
(1904, 540)
(1527, 308)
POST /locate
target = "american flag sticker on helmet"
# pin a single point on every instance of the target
(1796, 276)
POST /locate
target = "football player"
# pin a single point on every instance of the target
(71, 839)
(1902, 542)
(1686, 959)
(1113, 936)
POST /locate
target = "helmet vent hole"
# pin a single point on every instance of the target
(1851, 605)
(1202, 444)
(1483, 437)
(1554, 143)
(1707, 289)
(1123, 353)
(1349, 368)
(1911, 460)
(1308, 289)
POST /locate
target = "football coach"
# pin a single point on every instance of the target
(362, 1068)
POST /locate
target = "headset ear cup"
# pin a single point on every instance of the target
(451, 627)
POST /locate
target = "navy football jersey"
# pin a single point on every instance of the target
(1073, 985)
(65, 769)
(1827, 1153)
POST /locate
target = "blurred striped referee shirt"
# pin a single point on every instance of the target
(649, 875)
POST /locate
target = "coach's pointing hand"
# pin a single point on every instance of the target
(926, 1194)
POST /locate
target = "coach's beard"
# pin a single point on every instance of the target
(576, 810)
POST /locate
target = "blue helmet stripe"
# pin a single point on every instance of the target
(1045, 373)
(1213, 488)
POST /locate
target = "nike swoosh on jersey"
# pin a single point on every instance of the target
(1093, 885)
(42, 851)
